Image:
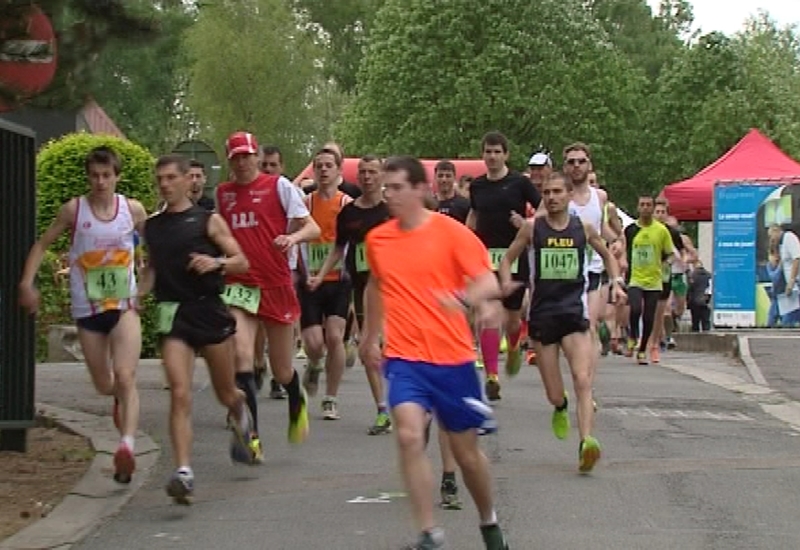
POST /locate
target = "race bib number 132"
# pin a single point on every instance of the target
(244, 297)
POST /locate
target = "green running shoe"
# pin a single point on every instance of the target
(513, 361)
(560, 421)
(588, 454)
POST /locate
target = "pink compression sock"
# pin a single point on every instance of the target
(490, 350)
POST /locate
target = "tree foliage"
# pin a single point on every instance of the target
(438, 76)
(717, 90)
(253, 68)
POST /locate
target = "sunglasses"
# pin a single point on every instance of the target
(574, 162)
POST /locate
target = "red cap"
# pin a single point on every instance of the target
(241, 143)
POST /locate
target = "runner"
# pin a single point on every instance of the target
(272, 163)
(324, 303)
(449, 202)
(190, 250)
(663, 312)
(198, 176)
(589, 204)
(680, 283)
(648, 244)
(352, 225)
(557, 245)
(498, 201)
(430, 362)
(540, 166)
(102, 291)
(258, 208)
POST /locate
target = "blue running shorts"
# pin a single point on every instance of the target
(452, 392)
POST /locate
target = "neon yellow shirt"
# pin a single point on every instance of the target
(648, 247)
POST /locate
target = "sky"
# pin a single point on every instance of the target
(728, 16)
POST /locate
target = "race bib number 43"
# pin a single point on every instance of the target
(244, 297)
(496, 256)
(559, 264)
(108, 283)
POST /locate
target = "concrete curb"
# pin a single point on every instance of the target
(96, 497)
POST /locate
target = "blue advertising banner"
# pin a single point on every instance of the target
(755, 230)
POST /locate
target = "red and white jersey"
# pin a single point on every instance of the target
(257, 213)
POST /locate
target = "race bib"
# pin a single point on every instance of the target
(496, 255)
(644, 255)
(666, 272)
(361, 258)
(559, 264)
(317, 253)
(108, 283)
(166, 316)
(244, 297)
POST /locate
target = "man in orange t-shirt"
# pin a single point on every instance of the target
(417, 289)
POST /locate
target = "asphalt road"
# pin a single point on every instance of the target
(686, 465)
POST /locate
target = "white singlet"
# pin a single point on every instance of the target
(101, 261)
(590, 213)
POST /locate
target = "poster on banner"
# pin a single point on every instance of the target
(756, 254)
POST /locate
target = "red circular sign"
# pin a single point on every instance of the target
(27, 55)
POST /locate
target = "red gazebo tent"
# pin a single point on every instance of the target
(754, 157)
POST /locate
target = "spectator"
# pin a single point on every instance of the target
(700, 297)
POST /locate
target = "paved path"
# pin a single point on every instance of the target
(693, 460)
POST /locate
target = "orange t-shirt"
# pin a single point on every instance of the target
(410, 267)
(324, 211)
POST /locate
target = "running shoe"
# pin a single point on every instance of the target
(513, 361)
(276, 391)
(311, 379)
(449, 493)
(614, 346)
(244, 446)
(383, 424)
(351, 354)
(115, 415)
(301, 353)
(641, 358)
(428, 540)
(671, 344)
(588, 454)
(479, 363)
(530, 357)
(629, 349)
(124, 464)
(180, 487)
(655, 355)
(493, 537)
(329, 409)
(493, 388)
(560, 421)
(605, 338)
(256, 450)
(298, 419)
(503, 345)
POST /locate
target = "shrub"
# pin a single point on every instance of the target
(61, 175)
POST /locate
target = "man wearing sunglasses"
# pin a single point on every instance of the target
(589, 204)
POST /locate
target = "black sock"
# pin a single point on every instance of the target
(246, 382)
(293, 387)
(564, 406)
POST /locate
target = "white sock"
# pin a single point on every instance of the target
(492, 519)
(186, 470)
(128, 441)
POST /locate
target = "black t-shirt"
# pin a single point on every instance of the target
(350, 189)
(456, 207)
(171, 239)
(207, 203)
(493, 202)
(352, 225)
(677, 240)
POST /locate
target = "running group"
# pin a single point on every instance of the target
(424, 283)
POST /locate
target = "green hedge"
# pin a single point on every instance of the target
(61, 175)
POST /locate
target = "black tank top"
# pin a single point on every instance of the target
(171, 239)
(558, 266)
